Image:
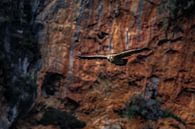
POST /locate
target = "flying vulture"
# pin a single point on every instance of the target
(118, 58)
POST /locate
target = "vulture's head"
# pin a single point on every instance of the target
(110, 58)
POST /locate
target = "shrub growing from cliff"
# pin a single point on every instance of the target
(169, 114)
(145, 108)
(175, 11)
(62, 119)
(177, 8)
(148, 109)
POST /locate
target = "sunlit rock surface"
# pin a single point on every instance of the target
(95, 91)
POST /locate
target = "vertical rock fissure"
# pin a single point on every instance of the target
(152, 87)
(75, 38)
(126, 40)
(139, 19)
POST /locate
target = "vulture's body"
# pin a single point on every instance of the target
(117, 59)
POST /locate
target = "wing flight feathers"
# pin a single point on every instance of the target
(130, 52)
(118, 55)
(91, 57)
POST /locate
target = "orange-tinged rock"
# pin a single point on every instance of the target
(129, 24)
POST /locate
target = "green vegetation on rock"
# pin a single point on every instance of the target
(177, 8)
(62, 119)
(148, 109)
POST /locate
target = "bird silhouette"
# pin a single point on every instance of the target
(118, 58)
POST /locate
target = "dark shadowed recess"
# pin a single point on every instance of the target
(51, 83)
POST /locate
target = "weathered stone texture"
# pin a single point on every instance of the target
(72, 27)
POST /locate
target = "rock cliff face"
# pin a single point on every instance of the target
(19, 57)
(153, 91)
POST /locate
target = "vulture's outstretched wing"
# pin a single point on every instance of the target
(91, 57)
(130, 52)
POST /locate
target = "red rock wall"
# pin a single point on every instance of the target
(73, 29)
